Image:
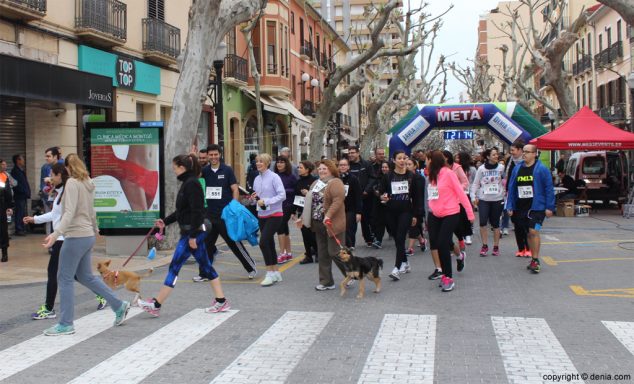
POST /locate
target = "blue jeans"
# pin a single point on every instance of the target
(505, 219)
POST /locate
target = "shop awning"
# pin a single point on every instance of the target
(348, 138)
(292, 110)
(268, 104)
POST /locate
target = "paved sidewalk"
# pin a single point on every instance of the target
(28, 260)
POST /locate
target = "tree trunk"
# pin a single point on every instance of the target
(371, 131)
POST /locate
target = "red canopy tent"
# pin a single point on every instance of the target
(586, 131)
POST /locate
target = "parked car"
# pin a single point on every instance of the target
(602, 173)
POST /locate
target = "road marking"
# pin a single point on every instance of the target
(552, 262)
(30, 352)
(139, 360)
(403, 351)
(530, 350)
(623, 331)
(551, 238)
(614, 292)
(273, 356)
(588, 242)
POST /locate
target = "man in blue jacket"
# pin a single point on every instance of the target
(21, 193)
(220, 188)
(531, 198)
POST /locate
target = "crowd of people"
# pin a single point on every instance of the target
(428, 198)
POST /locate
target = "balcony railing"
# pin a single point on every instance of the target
(582, 65)
(308, 108)
(106, 17)
(23, 9)
(161, 38)
(609, 55)
(613, 112)
(307, 50)
(271, 69)
(236, 67)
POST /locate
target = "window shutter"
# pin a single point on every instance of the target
(156, 9)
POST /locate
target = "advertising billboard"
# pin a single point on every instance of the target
(125, 162)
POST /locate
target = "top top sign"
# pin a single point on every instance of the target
(449, 116)
(125, 72)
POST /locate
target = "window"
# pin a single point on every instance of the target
(594, 165)
(578, 97)
(293, 85)
(256, 48)
(608, 32)
(600, 42)
(589, 44)
(230, 39)
(156, 9)
(301, 32)
(292, 22)
(271, 43)
(583, 94)
(618, 31)
(318, 41)
(583, 46)
(590, 91)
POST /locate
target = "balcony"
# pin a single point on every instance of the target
(271, 69)
(308, 108)
(582, 65)
(306, 51)
(102, 22)
(235, 71)
(616, 112)
(26, 10)
(609, 55)
(161, 41)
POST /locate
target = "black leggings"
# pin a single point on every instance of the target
(268, 227)
(440, 233)
(51, 284)
(310, 244)
(400, 222)
(351, 228)
(521, 225)
(283, 229)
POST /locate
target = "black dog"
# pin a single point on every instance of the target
(359, 267)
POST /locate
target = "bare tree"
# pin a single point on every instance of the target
(476, 79)
(625, 8)
(331, 101)
(209, 22)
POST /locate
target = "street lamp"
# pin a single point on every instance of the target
(551, 117)
(218, 63)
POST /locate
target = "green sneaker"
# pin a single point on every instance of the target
(101, 303)
(534, 266)
(121, 313)
(43, 313)
(59, 330)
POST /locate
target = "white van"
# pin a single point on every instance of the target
(603, 173)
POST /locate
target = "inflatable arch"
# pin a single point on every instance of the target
(509, 121)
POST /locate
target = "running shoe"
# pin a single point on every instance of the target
(321, 287)
(376, 244)
(496, 251)
(269, 280)
(460, 261)
(409, 252)
(534, 266)
(43, 313)
(436, 275)
(149, 307)
(101, 303)
(484, 250)
(468, 240)
(405, 268)
(59, 330)
(519, 253)
(199, 279)
(505, 232)
(395, 275)
(218, 307)
(528, 253)
(306, 260)
(277, 275)
(288, 257)
(121, 313)
(253, 274)
(281, 258)
(423, 245)
(447, 284)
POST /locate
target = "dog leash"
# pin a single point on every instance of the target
(159, 236)
(328, 224)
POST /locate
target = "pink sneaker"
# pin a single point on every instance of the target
(148, 306)
(218, 307)
(281, 258)
(496, 251)
(288, 257)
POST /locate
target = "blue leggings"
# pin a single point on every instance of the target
(182, 253)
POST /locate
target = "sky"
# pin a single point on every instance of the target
(458, 36)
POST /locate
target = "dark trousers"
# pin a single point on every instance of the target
(268, 228)
(351, 228)
(218, 227)
(441, 230)
(19, 213)
(366, 219)
(378, 221)
(521, 224)
(51, 284)
(4, 229)
(328, 252)
(310, 244)
(400, 222)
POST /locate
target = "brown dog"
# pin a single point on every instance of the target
(114, 279)
(357, 268)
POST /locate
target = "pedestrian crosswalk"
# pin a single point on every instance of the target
(403, 349)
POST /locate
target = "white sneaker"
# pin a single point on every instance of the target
(405, 268)
(268, 280)
(253, 274)
(321, 287)
(467, 240)
(505, 232)
(277, 275)
(395, 275)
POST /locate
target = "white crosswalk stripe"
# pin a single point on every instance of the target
(139, 360)
(623, 331)
(20, 357)
(272, 357)
(530, 350)
(403, 351)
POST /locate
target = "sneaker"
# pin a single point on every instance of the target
(369, 244)
(376, 245)
(505, 232)
(468, 240)
(149, 307)
(405, 268)
(253, 274)
(422, 245)
(496, 251)
(307, 260)
(409, 252)
(460, 261)
(43, 313)
(534, 266)
(321, 287)
(484, 250)
(59, 330)
(519, 253)
(436, 275)
(269, 280)
(281, 258)
(447, 284)
(121, 313)
(101, 303)
(218, 307)
(199, 279)
(528, 253)
(288, 257)
(395, 275)
(277, 275)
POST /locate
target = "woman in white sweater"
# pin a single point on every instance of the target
(487, 192)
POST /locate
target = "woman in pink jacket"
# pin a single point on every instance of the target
(445, 194)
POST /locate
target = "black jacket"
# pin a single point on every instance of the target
(6, 201)
(353, 200)
(22, 191)
(252, 173)
(190, 206)
(304, 182)
(362, 170)
(412, 201)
